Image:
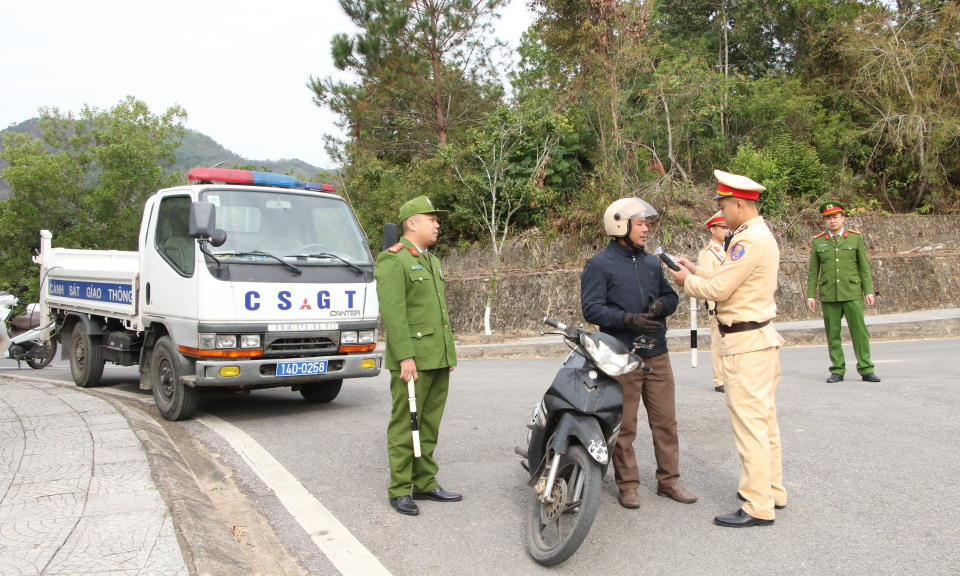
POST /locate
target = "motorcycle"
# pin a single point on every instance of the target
(25, 341)
(570, 437)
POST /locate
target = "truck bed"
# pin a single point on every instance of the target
(93, 281)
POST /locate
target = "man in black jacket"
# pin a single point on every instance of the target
(623, 291)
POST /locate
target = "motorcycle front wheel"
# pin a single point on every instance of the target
(555, 531)
(38, 363)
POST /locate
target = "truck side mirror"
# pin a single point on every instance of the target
(218, 237)
(203, 219)
(391, 235)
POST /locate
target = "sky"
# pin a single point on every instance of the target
(238, 68)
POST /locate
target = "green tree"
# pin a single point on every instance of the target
(86, 179)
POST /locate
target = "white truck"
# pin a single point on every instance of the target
(243, 280)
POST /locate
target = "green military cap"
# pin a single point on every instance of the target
(420, 205)
(830, 207)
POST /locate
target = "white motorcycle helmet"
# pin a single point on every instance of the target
(616, 220)
(7, 300)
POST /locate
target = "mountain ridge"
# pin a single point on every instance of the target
(197, 149)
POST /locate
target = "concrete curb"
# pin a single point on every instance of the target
(208, 547)
(907, 330)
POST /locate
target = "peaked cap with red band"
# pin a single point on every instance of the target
(828, 208)
(715, 220)
(736, 186)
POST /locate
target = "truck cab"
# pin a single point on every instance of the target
(279, 293)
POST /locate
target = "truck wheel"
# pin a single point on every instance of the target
(324, 391)
(176, 400)
(86, 358)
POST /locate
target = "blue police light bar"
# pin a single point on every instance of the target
(319, 187)
(243, 177)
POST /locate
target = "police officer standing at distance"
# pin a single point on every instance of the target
(623, 291)
(839, 267)
(743, 288)
(419, 345)
(711, 257)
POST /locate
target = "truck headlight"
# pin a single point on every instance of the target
(368, 336)
(348, 337)
(250, 341)
(208, 341)
(226, 340)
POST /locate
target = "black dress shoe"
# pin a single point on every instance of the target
(405, 505)
(740, 519)
(718, 388)
(871, 377)
(438, 494)
(834, 378)
(777, 506)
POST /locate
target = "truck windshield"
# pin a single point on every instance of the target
(305, 228)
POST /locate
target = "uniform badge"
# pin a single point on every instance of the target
(395, 248)
(413, 251)
(822, 245)
(737, 252)
(416, 267)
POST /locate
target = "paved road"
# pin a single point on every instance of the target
(870, 470)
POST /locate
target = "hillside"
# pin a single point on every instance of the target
(196, 150)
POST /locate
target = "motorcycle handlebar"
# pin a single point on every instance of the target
(554, 323)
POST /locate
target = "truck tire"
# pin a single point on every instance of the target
(176, 400)
(86, 358)
(324, 391)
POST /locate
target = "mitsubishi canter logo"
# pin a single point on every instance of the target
(285, 300)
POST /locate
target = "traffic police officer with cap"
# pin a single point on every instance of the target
(743, 288)
(710, 257)
(839, 267)
(419, 345)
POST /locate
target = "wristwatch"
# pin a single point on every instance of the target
(405, 359)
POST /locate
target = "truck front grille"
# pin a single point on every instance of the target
(302, 344)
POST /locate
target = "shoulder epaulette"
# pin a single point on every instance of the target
(856, 231)
(819, 235)
(708, 247)
(395, 248)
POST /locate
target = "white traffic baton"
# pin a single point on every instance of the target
(412, 394)
(693, 332)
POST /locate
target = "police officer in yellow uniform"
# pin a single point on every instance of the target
(710, 257)
(419, 345)
(743, 288)
(840, 269)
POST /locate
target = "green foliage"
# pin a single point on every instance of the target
(85, 180)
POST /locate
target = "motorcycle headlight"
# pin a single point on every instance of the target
(607, 360)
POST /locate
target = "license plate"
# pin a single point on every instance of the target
(302, 368)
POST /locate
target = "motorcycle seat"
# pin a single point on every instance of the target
(28, 322)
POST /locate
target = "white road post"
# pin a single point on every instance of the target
(693, 332)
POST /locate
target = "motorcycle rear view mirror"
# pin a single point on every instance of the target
(22, 288)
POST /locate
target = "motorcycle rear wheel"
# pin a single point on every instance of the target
(38, 363)
(554, 536)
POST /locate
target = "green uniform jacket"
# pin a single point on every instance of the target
(839, 267)
(414, 308)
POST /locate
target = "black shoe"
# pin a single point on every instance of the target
(871, 377)
(834, 378)
(405, 505)
(718, 388)
(777, 506)
(740, 519)
(438, 494)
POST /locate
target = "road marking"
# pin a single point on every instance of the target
(346, 553)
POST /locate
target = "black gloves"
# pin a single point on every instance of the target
(638, 323)
(654, 307)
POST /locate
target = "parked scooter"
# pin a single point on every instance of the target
(571, 436)
(24, 339)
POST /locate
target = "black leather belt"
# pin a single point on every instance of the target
(740, 327)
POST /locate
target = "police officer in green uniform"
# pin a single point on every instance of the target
(839, 267)
(419, 346)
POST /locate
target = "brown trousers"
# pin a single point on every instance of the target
(657, 391)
